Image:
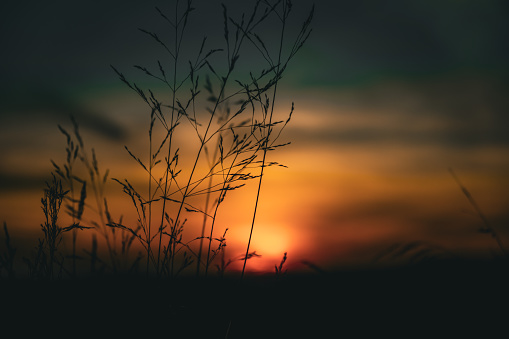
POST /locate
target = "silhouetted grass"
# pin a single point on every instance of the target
(7, 258)
(231, 112)
(486, 228)
(238, 129)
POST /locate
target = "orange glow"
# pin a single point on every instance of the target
(338, 202)
(269, 241)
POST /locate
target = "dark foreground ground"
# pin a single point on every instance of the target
(444, 299)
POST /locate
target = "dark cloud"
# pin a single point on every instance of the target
(458, 111)
(53, 49)
(459, 139)
(32, 104)
(21, 182)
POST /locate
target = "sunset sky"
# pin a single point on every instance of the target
(388, 96)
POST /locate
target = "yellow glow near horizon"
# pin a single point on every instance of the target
(271, 240)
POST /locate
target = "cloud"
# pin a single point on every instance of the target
(18, 182)
(52, 106)
(457, 111)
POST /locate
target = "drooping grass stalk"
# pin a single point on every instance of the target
(487, 229)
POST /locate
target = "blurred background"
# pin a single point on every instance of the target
(388, 96)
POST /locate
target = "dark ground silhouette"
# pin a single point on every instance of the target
(441, 299)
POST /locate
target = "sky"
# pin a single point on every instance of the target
(388, 96)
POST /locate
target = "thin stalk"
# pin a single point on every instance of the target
(266, 142)
(202, 145)
(174, 94)
(207, 200)
(214, 217)
(74, 231)
(488, 228)
(149, 193)
(218, 203)
(103, 222)
(98, 193)
(234, 56)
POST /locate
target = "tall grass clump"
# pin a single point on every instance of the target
(81, 173)
(231, 113)
(48, 261)
(7, 256)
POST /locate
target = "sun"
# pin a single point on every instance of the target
(270, 241)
